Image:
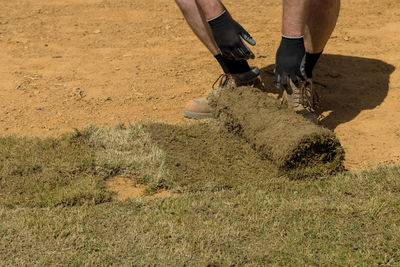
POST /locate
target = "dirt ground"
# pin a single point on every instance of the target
(67, 64)
(127, 188)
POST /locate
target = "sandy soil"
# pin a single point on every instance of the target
(126, 188)
(67, 64)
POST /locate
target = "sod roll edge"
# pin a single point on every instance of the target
(296, 145)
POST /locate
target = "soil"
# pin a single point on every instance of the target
(127, 188)
(67, 64)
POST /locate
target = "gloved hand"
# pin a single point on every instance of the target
(229, 36)
(290, 62)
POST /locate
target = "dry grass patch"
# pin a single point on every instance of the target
(128, 152)
(72, 169)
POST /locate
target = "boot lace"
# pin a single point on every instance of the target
(221, 81)
(306, 96)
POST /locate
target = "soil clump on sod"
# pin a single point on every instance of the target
(295, 145)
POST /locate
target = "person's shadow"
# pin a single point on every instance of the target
(346, 85)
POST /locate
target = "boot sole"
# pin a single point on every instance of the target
(196, 116)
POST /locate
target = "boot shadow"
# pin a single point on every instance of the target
(346, 85)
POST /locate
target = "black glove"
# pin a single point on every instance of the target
(290, 62)
(229, 36)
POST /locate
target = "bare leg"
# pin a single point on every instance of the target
(295, 14)
(320, 24)
(306, 28)
(197, 21)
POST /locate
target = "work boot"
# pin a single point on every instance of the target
(303, 99)
(199, 109)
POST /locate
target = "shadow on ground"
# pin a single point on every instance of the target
(347, 85)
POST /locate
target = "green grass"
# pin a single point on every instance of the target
(258, 219)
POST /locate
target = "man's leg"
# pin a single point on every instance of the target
(290, 76)
(295, 14)
(291, 52)
(315, 20)
(320, 24)
(307, 26)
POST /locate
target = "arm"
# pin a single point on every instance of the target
(211, 8)
(228, 34)
(222, 35)
(197, 22)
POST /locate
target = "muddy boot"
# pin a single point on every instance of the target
(303, 99)
(199, 109)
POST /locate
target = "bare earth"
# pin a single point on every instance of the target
(67, 64)
(126, 188)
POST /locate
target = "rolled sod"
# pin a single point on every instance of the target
(295, 145)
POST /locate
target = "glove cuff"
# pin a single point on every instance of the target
(292, 41)
(220, 21)
(292, 37)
